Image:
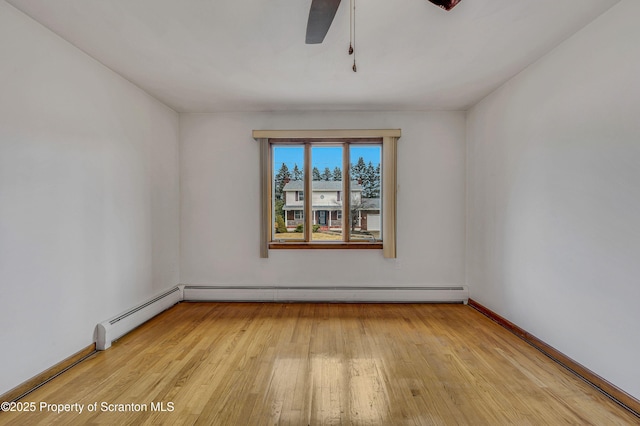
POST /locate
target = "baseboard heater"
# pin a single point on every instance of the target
(118, 326)
(359, 294)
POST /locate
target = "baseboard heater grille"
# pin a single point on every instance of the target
(458, 294)
(118, 326)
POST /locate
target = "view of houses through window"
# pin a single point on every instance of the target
(328, 210)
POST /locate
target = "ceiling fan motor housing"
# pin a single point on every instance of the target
(445, 4)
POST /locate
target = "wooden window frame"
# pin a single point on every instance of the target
(386, 137)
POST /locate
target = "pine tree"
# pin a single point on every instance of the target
(337, 174)
(376, 182)
(297, 173)
(368, 176)
(316, 174)
(359, 170)
(326, 174)
(369, 182)
(280, 180)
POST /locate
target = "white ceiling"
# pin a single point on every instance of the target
(249, 55)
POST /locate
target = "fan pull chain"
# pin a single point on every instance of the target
(352, 50)
(351, 27)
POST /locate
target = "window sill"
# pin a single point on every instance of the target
(301, 245)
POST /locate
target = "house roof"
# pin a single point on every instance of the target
(337, 207)
(367, 203)
(321, 185)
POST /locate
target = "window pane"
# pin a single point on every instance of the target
(365, 187)
(326, 183)
(288, 192)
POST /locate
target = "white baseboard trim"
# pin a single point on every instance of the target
(454, 294)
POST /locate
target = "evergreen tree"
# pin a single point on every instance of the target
(371, 187)
(316, 174)
(376, 182)
(359, 170)
(278, 206)
(326, 174)
(368, 176)
(281, 228)
(297, 173)
(280, 180)
(337, 174)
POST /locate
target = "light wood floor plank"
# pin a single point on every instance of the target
(323, 364)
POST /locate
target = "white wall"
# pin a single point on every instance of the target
(220, 203)
(554, 198)
(88, 197)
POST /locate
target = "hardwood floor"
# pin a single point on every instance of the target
(316, 364)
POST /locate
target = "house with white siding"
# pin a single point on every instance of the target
(326, 205)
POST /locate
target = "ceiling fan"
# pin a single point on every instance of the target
(322, 13)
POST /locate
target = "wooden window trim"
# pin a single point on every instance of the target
(388, 139)
(304, 245)
(298, 135)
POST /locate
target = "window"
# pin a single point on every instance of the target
(365, 191)
(351, 175)
(287, 195)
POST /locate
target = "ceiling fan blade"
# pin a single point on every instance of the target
(320, 18)
(445, 4)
